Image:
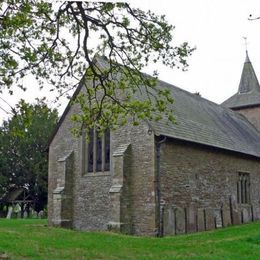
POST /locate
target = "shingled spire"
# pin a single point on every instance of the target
(248, 91)
(248, 82)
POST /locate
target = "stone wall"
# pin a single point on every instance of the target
(252, 114)
(199, 187)
(91, 205)
(138, 204)
(90, 209)
(61, 146)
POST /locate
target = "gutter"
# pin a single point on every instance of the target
(160, 208)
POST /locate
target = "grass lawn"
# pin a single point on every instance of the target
(32, 239)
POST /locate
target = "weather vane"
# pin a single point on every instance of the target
(246, 43)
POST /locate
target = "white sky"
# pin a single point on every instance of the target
(216, 28)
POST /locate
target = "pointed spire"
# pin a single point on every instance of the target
(248, 82)
(247, 57)
(248, 91)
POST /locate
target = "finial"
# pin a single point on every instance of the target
(245, 38)
(246, 44)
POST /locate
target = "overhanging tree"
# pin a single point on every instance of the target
(23, 150)
(56, 42)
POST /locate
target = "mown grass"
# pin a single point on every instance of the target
(33, 239)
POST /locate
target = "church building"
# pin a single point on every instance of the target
(160, 178)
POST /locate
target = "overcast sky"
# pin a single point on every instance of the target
(216, 28)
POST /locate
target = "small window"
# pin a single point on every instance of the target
(96, 152)
(243, 188)
(107, 150)
(89, 151)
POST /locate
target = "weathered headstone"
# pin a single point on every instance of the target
(41, 214)
(226, 216)
(191, 219)
(235, 211)
(9, 213)
(246, 215)
(180, 220)
(236, 216)
(218, 218)
(257, 212)
(169, 221)
(33, 213)
(201, 220)
(210, 220)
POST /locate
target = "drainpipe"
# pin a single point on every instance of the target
(158, 188)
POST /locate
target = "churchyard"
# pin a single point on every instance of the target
(33, 239)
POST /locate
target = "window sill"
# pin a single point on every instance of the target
(96, 174)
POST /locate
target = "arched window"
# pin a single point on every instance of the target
(243, 188)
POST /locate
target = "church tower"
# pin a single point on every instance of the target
(247, 100)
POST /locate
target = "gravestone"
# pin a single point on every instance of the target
(180, 220)
(236, 217)
(210, 220)
(235, 211)
(169, 221)
(9, 213)
(201, 220)
(246, 215)
(218, 218)
(191, 219)
(257, 212)
(41, 214)
(226, 216)
(33, 214)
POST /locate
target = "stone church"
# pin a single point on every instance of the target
(162, 179)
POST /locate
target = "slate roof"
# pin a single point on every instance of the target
(248, 91)
(204, 122)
